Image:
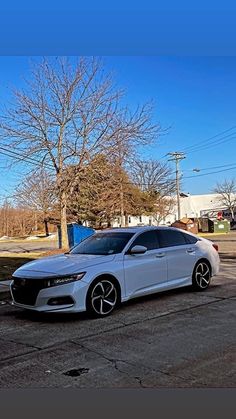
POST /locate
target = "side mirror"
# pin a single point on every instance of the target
(137, 250)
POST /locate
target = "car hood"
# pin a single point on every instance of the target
(66, 264)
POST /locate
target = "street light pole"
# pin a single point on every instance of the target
(176, 157)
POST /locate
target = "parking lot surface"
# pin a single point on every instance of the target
(27, 246)
(174, 339)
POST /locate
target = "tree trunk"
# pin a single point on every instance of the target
(64, 237)
(23, 228)
(46, 227)
(232, 213)
(35, 222)
(122, 213)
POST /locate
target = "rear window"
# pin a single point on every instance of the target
(169, 238)
(190, 239)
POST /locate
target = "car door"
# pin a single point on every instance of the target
(180, 254)
(144, 272)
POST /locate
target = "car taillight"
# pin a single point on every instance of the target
(215, 246)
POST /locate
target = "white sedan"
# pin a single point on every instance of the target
(113, 266)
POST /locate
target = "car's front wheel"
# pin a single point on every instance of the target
(103, 297)
(201, 276)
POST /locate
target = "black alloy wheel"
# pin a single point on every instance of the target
(201, 276)
(103, 297)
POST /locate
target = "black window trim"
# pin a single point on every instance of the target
(127, 252)
(189, 235)
(175, 245)
(157, 230)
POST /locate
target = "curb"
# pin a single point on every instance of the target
(23, 255)
(4, 290)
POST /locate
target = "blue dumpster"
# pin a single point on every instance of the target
(76, 233)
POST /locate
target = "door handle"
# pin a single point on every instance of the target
(160, 255)
(190, 250)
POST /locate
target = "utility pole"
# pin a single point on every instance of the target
(176, 157)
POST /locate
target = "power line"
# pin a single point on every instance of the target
(220, 141)
(203, 142)
(208, 143)
(21, 157)
(210, 173)
(208, 168)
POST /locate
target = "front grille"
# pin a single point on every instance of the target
(25, 291)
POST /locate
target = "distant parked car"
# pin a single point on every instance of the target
(114, 266)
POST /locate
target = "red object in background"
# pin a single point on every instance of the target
(216, 246)
(220, 215)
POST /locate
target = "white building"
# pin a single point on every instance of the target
(191, 206)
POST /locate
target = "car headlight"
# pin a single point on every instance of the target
(65, 280)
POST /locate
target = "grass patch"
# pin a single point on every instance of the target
(9, 264)
(11, 261)
(53, 252)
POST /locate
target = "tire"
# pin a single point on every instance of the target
(103, 297)
(201, 276)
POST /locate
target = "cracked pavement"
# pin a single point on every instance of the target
(173, 339)
(27, 246)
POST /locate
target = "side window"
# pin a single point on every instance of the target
(169, 238)
(190, 239)
(147, 239)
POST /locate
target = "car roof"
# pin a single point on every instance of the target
(141, 229)
(138, 229)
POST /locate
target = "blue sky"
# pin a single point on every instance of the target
(194, 96)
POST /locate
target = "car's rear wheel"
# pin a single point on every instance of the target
(103, 297)
(201, 276)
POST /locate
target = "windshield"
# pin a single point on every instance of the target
(103, 244)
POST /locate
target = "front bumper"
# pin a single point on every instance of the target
(77, 290)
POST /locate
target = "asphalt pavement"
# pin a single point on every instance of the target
(27, 246)
(174, 339)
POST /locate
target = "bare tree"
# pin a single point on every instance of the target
(227, 194)
(37, 192)
(153, 176)
(15, 221)
(68, 113)
(157, 180)
(5, 217)
(163, 208)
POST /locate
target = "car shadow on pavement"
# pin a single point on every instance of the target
(188, 290)
(40, 317)
(56, 317)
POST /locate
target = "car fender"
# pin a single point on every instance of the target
(117, 273)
